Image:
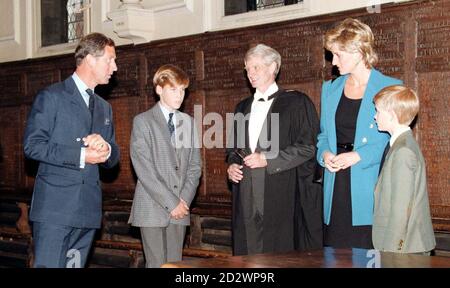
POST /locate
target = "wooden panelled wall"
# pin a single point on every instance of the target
(413, 43)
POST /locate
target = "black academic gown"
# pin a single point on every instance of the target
(292, 213)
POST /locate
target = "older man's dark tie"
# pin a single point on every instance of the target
(91, 104)
(91, 100)
(170, 124)
(385, 152)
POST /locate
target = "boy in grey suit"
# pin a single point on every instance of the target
(402, 221)
(166, 158)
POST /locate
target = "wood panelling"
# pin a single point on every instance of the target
(11, 142)
(412, 42)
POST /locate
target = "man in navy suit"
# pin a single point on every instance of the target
(70, 132)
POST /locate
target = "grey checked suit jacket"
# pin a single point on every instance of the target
(165, 172)
(402, 221)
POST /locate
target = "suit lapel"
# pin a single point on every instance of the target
(396, 146)
(180, 121)
(160, 121)
(366, 102)
(78, 104)
(99, 115)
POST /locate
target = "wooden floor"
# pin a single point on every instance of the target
(326, 258)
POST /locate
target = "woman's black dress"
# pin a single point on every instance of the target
(341, 233)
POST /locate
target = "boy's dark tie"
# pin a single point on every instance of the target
(170, 124)
(386, 150)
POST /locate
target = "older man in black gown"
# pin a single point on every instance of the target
(271, 157)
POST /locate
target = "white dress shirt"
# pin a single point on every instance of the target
(258, 114)
(81, 86)
(166, 113)
(397, 133)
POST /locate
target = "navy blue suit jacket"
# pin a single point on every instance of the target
(63, 193)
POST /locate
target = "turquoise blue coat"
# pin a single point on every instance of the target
(369, 143)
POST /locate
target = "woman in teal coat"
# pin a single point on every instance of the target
(349, 145)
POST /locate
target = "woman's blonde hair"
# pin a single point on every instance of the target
(351, 35)
(403, 101)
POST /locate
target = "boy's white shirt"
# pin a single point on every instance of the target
(399, 131)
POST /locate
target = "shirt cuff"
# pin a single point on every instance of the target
(83, 158)
(109, 154)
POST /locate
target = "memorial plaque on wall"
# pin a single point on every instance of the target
(181, 55)
(11, 91)
(433, 68)
(38, 80)
(224, 63)
(220, 104)
(11, 147)
(301, 48)
(125, 82)
(67, 71)
(435, 142)
(433, 50)
(119, 182)
(312, 89)
(194, 105)
(389, 36)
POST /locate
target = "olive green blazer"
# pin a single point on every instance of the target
(402, 221)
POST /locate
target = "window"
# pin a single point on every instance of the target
(231, 14)
(62, 21)
(233, 7)
(75, 16)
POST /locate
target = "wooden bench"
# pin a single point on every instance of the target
(15, 231)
